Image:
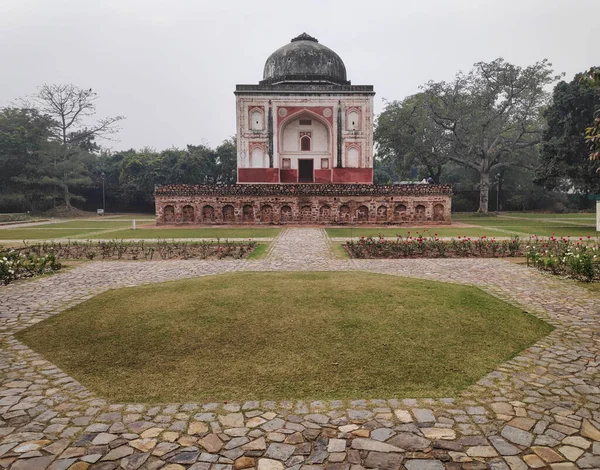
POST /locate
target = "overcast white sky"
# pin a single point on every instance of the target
(171, 66)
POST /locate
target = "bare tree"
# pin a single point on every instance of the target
(74, 128)
(70, 107)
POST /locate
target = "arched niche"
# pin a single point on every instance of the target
(353, 157)
(188, 214)
(286, 213)
(257, 119)
(169, 214)
(353, 120)
(257, 156)
(301, 125)
(228, 213)
(267, 213)
(248, 213)
(345, 213)
(362, 214)
(325, 213)
(208, 213)
(438, 212)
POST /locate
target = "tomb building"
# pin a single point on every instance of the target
(304, 154)
(304, 122)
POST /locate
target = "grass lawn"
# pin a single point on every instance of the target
(192, 233)
(532, 224)
(259, 252)
(347, 232)
(139, 216)
(284, 336)
(526, 215)
(41, 233)
(90, 224)
(339, 252)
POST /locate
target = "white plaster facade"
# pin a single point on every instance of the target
(295, 115)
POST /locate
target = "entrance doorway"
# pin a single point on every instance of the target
(305, 171)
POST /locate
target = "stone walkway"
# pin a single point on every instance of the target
(538, 410)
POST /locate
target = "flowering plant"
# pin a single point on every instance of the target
(17, 265)
(577, 258)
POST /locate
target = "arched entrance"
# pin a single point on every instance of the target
(305, 147)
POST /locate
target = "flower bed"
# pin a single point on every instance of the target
(577, 258)
(141, 250)
(15, 265)
(434, 247)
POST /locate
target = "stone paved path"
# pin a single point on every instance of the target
(538, 410)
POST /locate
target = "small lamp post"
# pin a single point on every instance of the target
(103, 176)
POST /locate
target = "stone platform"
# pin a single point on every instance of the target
(303, 203)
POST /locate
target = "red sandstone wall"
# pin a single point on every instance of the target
(322, 176)
(258, 175)
(289, 176)
(352, 175)
(432, 209)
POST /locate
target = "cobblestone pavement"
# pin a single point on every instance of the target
(539, 410)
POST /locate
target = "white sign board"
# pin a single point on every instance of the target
(598, 216)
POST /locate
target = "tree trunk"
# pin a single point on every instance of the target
(438, 174)
(484, 191)
(499, 195)
(67, 197)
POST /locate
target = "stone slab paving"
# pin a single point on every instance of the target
(539, 410)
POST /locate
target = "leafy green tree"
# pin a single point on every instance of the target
(66, 168)
(227, 161)
(139, 172)
(407, 136)
(24, 135)
(592, 133)
(490, 117)
(563, 161)
(383, 170)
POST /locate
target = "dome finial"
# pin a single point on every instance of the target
(305, 37)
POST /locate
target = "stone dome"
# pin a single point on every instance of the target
(304, 60)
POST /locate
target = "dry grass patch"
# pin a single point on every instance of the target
(284, 336)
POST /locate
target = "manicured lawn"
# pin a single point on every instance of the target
(532, 224)
(259, 252)
(557, 230)
(192, 233)
(523, 215)
(41, 233)
(518, 222)
(284, 336)
(422, 231)
(90, 224)
(339, 251)
(529, 215)
(140, 216)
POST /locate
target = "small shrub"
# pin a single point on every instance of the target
(579, 259)
(142, 250)
(15, 264)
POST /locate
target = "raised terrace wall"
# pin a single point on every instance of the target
(303, 203)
